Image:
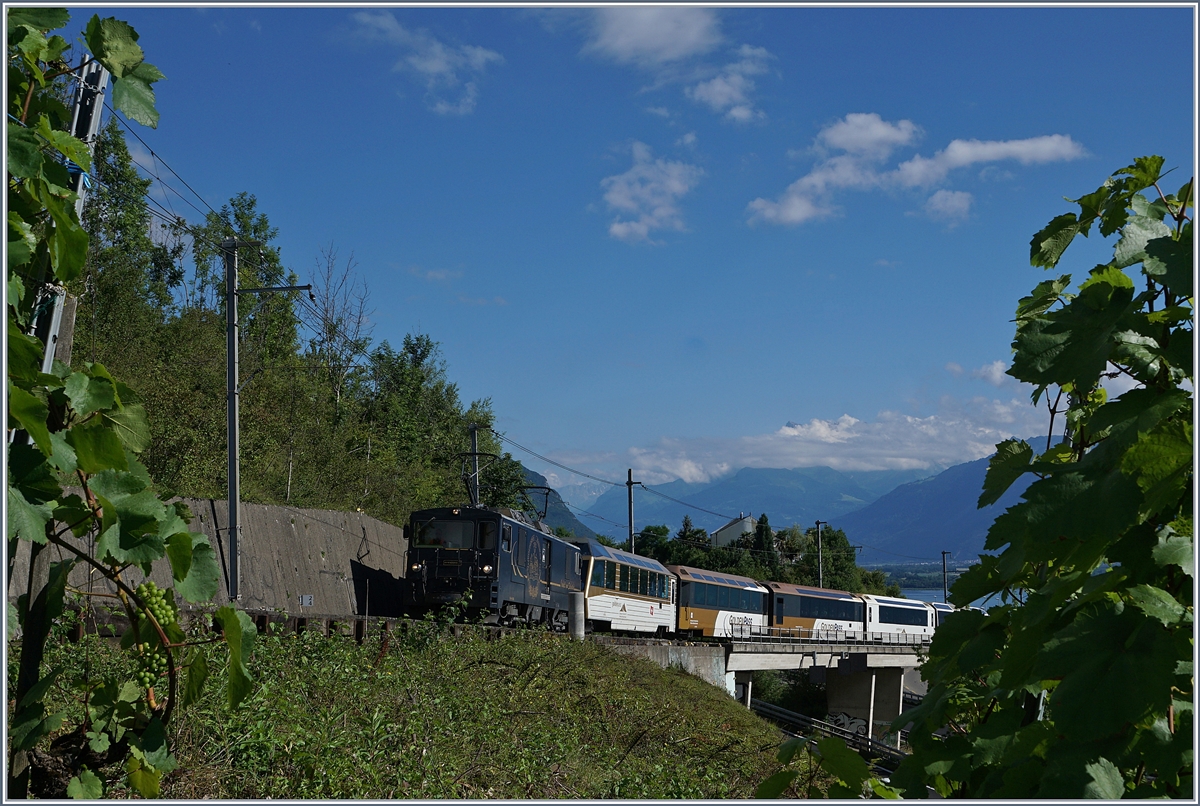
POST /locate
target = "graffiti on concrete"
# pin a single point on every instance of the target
(847, 722)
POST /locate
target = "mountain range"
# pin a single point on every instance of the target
(800, 495)
(896, 516)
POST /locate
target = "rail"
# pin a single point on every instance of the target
(754, 633)
(883, 755)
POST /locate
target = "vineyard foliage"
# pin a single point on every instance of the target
(1080, 684)
(86, 427)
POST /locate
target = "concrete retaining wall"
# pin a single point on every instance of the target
(350, 563)
(705, 662)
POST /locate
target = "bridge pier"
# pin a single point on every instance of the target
(866, 687)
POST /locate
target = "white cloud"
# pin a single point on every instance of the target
(434, 275)
(729, 91)
(954, 369)
(925, 171)
(449, 72)
(660, 111)
(868, 134)
(961, 431)
(866, 141)
(949, 205)
(993, 373)
(688, 140)
(652, 36)
(646, 196)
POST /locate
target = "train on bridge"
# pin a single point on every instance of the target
(510, 569)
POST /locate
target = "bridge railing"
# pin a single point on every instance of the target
(755, 633)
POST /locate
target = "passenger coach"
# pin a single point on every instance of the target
(803, 612)
(625, 592)
(719, 605)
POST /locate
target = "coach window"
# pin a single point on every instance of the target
(624, 579)
(610, 575)
(506, 538)
(487, 535)
(597, 573)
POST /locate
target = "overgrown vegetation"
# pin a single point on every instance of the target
(427, 715)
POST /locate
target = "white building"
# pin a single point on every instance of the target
(730, 532)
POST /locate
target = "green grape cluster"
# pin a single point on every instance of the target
(162, 608)
(153, 661)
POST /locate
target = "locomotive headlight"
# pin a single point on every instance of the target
(417, 566)
(487, 569)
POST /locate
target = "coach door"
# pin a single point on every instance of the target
(779, 610)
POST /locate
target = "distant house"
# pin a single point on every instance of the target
(730, 532)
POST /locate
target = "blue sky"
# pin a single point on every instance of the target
(654, 237)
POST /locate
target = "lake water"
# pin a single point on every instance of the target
(935, 595)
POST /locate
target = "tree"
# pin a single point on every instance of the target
(88, 427)
(339, 320)
(690, 534)
(837, 559)
(1080, 684)
(652, 540)
(764, 542)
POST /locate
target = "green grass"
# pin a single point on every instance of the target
(434, 716)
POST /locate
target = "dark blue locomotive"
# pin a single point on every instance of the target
(498, 562)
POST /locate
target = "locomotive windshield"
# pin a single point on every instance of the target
(455, 534)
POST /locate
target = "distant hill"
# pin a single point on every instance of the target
(921, 519)
(557, 513)
(800, 495)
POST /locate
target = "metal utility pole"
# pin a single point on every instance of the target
(944, 586)
(474, 465)
(820, 558)
(85, 125)
(629, 485)
(229, 248)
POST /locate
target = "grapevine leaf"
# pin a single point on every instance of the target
(86, 785)
(1048, 245)
(134, 96)
(203, 577)
(1044, 295)
(1173, 549)
(1157, 604)
(98, 741)
(196, 677)
(239, 632)
(788, 750)
(88, 394)
(1170, 262)
(1137, 232)
(1107, 782)
(25, 520)
(114, 43)
(24, 354)
(142, 777)
(1007, 464)
(39, 689)
(1144, 172)
(153, 744)
(774, 786)
(1162, 462)
(179, 552)
(843, 763)
(40, 19)
(72, 148)
(97, 448)
(24, 152)
(30, 412)
(130, 425)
